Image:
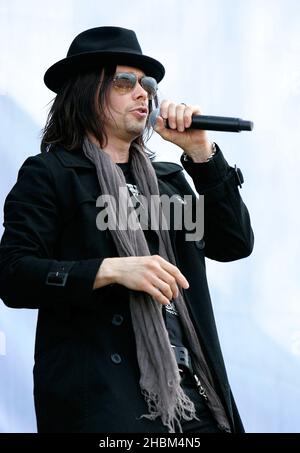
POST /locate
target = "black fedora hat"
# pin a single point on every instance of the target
(97, 46)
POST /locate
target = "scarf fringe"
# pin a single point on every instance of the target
(183, 409)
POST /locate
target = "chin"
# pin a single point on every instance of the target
(136, 131)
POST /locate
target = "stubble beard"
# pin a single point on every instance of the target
(134, 127)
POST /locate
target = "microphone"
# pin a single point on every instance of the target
(210, 123)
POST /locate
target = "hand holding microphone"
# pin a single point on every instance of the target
(186, 127)
(212, 123)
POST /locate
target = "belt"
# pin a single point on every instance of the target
(182, 357)
(184, 362)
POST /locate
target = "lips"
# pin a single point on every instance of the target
(142, 110)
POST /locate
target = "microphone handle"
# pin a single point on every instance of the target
(220, 123)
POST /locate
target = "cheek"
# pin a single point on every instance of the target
(116, 103)
(110, 109)
(119, 107)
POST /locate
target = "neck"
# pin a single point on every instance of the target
(116, 148)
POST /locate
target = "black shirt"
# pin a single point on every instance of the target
(170, 314)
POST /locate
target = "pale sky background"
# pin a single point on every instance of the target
(237, 58)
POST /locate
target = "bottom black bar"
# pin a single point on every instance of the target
(134, 442)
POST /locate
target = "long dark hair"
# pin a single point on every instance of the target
(74, 112)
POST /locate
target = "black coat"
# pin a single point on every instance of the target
(86, 375)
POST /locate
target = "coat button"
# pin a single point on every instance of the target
(116, 358)
(200, 244)
(117, 320)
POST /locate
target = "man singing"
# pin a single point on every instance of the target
(126, 339)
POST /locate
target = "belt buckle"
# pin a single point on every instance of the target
(182, 358)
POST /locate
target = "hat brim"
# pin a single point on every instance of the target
(59, 73)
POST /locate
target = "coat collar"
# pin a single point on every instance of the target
(76, 158)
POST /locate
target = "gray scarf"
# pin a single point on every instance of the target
(159, 374)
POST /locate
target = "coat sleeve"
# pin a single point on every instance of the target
(30, 277)
(228, 234)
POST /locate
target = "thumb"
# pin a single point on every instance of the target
(159, 125)
(161, 129)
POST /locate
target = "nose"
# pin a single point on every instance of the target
(139, 92)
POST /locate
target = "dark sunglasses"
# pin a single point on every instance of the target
(125, 82)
